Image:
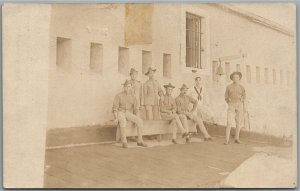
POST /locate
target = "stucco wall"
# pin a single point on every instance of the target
(81, 97)
(25, 93)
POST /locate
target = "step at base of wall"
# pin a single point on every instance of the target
(82, 136)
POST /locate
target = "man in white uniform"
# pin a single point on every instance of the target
(199, 93)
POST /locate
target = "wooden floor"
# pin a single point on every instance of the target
(192, 165)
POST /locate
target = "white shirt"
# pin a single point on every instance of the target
(202, 98)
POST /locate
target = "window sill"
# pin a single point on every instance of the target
(195, 70)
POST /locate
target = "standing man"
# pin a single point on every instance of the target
(137, 92)
(183, 102)
(125, 109)
(199, 93)
(136, 86)
(168, 112)
(235, 95)
(151, 90)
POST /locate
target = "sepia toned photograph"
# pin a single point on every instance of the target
(156, 95)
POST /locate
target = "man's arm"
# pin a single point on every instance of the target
(160, 92)
(144, 94)
(162, 107)
(194, 102)
(136, 109)
(178, 108)
(115, 109)
(227, 95)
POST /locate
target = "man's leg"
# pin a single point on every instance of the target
(230, 120)
(139, 124)
(174, 129)
(122, 126)
(170, 117)
(183, 120)
(179, 124)
(239, 121)
(149, 112)
(202, 128)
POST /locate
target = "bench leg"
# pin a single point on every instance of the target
(159, 137)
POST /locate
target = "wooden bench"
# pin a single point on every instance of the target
(154, 127)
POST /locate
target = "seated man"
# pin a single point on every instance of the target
(168, 112)
(125, 108)
(183, 102)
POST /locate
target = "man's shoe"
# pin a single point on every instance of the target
(124, 145)
(226, 143)
(187, 139)
(142, 144)
(174, 141)
(237, 141)
(208, 139)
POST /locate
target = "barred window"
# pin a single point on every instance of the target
(194, 41)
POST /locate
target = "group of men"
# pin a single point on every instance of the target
(188, 105)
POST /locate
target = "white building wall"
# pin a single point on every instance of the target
(25, 93)
(81, 97)
(227, 34)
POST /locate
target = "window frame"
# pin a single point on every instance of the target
(125, 70)
(194, 46)
(207, 64)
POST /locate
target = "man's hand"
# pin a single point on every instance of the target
(245, 105)
(190, 115)
(116, 121)
(161, 94)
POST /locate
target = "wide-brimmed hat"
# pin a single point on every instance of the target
(169, 86)
(236, 73)
(127, 82)
(133, 70)
(150, 69)
(184, 87)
